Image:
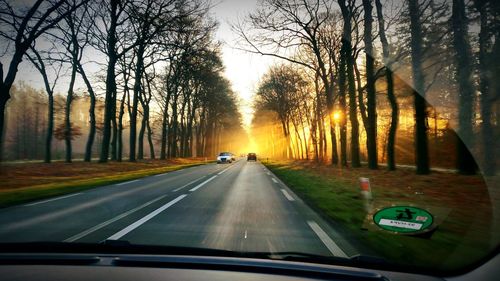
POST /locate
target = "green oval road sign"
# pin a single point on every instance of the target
(403, 219)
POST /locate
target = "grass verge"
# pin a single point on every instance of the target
(19, 181)
(462, 238)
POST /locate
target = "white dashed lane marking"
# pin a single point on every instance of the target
(287, 195)
(108, 222)
(140, 222)
(202, 184)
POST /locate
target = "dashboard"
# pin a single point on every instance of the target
(77, 267)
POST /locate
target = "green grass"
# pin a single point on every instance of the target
(340, 201)
(27, 194)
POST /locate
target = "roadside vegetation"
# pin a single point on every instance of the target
(27, 182)
(465, 232)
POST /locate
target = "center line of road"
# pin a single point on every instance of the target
(140, 222)
(287, 195)
(108, 222)
(191, 182)
(202, 184)
(275, 181)
(334, 248)
(53, 199)
(127, 182)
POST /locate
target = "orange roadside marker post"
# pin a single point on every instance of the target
(366, 193)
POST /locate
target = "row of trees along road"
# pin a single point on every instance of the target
(413, 72)
(148, 70)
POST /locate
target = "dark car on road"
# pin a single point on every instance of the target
(252, 156)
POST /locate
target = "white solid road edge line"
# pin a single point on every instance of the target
(334, 248)
(108, 222)
(287, 195)
(127, 182)
(202, 184)
(53, 199)
(151, 215)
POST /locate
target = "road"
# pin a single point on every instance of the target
(240, 207)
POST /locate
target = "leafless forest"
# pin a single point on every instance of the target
(358, 82)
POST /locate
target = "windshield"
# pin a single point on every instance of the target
(375, 123)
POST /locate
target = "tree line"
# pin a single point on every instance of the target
(346, 62)
(158, 81)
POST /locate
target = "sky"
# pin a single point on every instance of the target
(243, 69)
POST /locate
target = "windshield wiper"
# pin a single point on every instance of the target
(306, 257)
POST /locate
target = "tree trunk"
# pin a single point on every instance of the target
(164, 126)
(110, 98)
(50, 129)
(391, 139)
(135, 101)
(92, 120)
(465, 161)
(67, 116)
(371, 126)
(485, 75)
(150, 140)
(347, 55)
(114, 132)
(108, 111)
(173, 132)
(342, 123)
(421, 145)
(333, 136)
(353, 113)
(121, 113)
(4, 97)
(163, 147)
(142, 130)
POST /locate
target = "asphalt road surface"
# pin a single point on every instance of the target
(240, 207)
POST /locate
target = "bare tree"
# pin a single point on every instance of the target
(371, 126)
(285, 26)
(485, 76)
(21, 27)
(39, 63)
(465, 161)
(391, 138)
(421, 146)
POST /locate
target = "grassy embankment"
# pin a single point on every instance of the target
(462, 237)
(25, 182)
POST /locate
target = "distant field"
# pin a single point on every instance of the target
(26, 182)
(464, 236)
